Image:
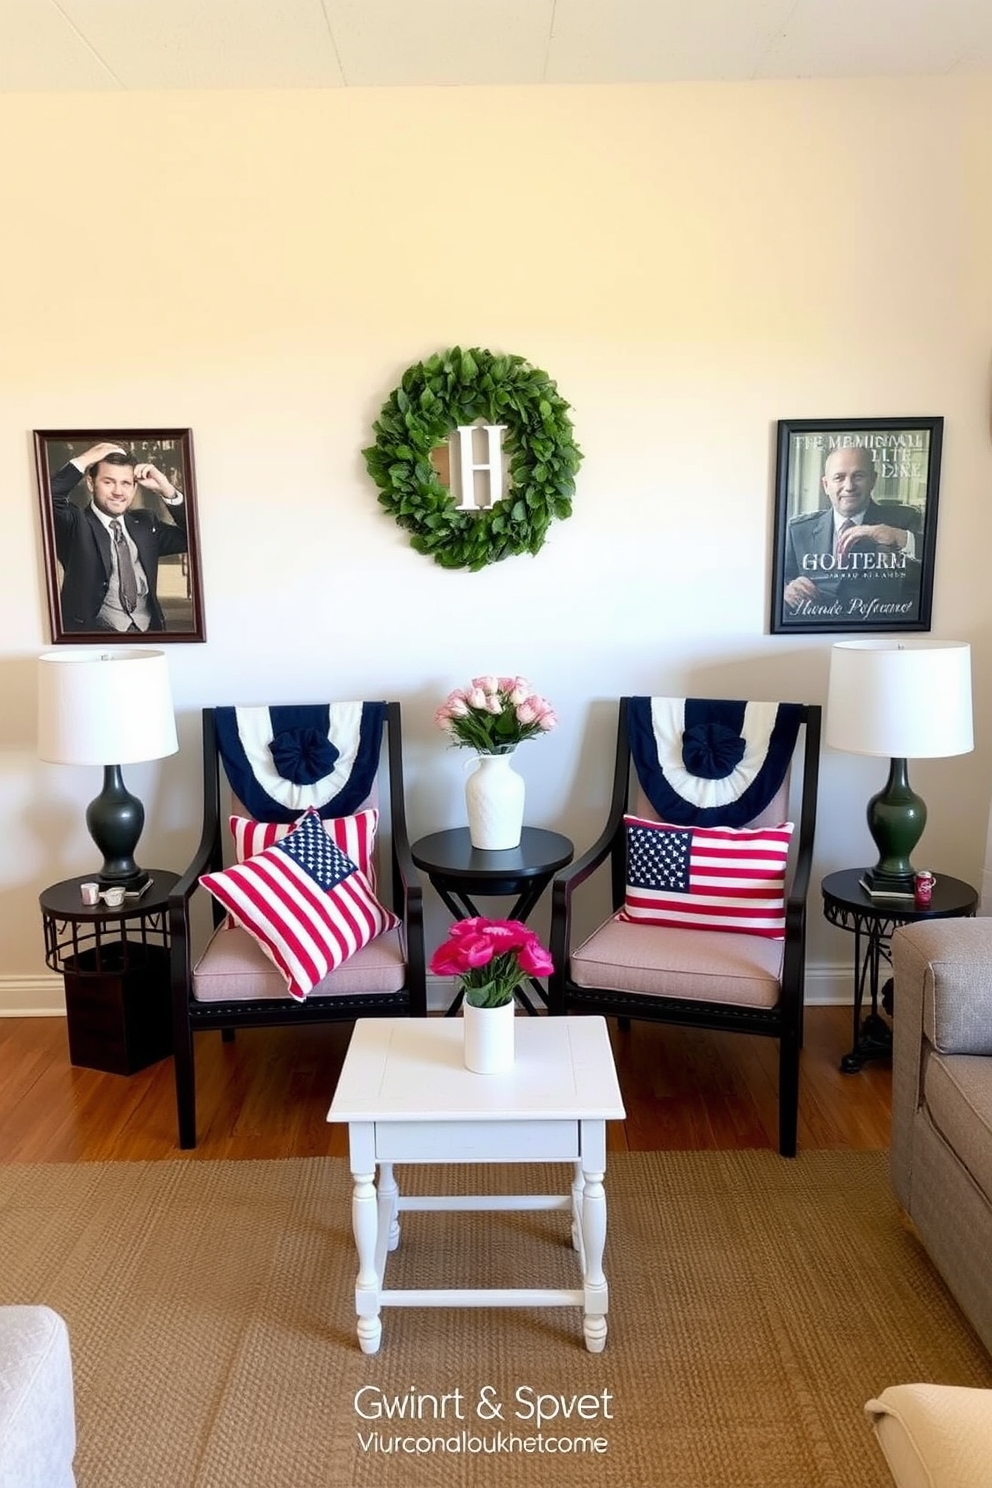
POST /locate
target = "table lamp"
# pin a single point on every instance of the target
(906, 701)
(109, 708)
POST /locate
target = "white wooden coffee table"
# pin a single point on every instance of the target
(407, 1098)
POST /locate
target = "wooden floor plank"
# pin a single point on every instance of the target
(266, 1094)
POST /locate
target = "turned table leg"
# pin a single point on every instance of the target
(365, 1224)
(389, 1188)
(577, 1186)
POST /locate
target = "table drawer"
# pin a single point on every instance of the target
(476, 1141)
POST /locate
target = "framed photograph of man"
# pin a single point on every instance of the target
(118, 521)
(855, 524)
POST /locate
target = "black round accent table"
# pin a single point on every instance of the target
(872, 921)
(457, 870)
(115, 964)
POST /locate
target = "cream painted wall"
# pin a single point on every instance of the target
(690, 263)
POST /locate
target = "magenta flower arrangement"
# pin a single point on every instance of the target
(490, 958)
(495, 714)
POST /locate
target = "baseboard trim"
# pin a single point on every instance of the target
(44, 996)
(32, 997)
(829, 986)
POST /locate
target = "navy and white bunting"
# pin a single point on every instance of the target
(281, 761)
(711, 762)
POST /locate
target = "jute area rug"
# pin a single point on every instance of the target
(756, 1304)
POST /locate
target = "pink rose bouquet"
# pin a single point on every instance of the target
(490, 959)
(495, 714)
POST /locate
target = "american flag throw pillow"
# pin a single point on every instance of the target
(354, 835)
(707, 878)
(305, 902)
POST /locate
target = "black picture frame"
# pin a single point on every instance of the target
(882, 583)
(80, 574)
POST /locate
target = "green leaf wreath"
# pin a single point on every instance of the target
(457, 387)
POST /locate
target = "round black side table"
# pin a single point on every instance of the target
(115, 964)
(872, 921)
(457, 870)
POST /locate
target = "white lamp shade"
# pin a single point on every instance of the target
(900, 700)
(105, 707)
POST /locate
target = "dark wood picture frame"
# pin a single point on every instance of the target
(884, 476)
(79, 571)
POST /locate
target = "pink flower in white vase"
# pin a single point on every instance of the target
(495, 714)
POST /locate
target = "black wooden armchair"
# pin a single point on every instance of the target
(701, 977)
(233, 983)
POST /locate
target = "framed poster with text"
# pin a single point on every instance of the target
(855, 524)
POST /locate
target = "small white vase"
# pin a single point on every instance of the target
(488, 1048)
(494, 800)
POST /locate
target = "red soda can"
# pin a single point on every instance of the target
(923, 889)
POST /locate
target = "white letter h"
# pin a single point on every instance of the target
(494, 464)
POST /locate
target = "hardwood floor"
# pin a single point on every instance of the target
(266, 1095)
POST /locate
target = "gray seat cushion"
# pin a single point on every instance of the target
(234, 968)
(701, 965)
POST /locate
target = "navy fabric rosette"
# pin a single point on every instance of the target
(712, 750)
(303, 755)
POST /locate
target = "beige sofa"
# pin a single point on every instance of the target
(934, 1436)
(942, 1102)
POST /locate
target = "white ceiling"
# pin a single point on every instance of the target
(114, 45)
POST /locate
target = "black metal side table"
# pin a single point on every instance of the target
(457, 870)
(115, 964)
(872, 921)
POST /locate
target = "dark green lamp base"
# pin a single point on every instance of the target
(115, 820)
(896, 818)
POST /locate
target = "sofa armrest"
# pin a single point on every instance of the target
(933, 1434)
(945, 969)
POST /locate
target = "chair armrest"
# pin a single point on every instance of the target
(407, 892)
(407, 876)
(412, 894)
(205, 860)
(795, 904)
(563, 886)
(209, 853)
(799, 886)
(408, 895)
(568, 879)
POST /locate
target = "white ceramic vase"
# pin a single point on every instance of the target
(494, 800)
(488, 1048)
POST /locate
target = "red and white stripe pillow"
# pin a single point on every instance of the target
(354, 835)
(707, 878)
(308, 906)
